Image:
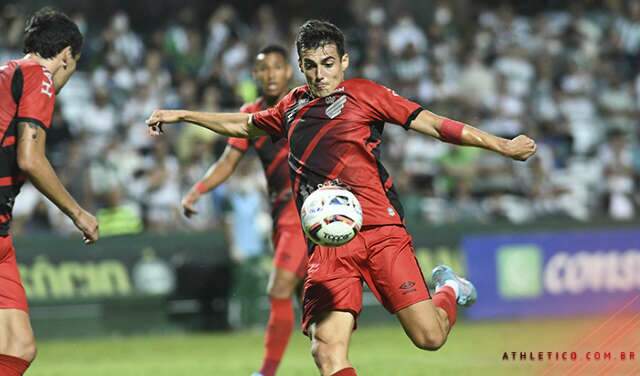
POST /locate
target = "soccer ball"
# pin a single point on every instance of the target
(331, 216)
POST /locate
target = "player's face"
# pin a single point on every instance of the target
(63, 74)
(272, 72)
(323, 68)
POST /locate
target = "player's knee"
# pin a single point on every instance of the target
(430, 340)
(24, 348)
(30, 352)
(328, 356)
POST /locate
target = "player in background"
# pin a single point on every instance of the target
(334, 130)
(272, 72)
(28, 89)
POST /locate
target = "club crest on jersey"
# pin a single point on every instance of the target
(336, 106)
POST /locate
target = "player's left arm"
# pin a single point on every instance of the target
(447, 130)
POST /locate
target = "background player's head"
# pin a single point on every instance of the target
(321, 56)
(272, 71)
(51, 35)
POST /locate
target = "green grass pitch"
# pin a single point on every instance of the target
(472, 349)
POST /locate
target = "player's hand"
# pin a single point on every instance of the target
(88, 225)
(188, 202)
(520, 148)
(159, 117)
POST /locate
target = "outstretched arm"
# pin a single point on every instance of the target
(228, 124)
(217, 174)
(34, 163)
(447, 130)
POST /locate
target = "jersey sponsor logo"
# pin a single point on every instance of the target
(336, 106)
(292, 112)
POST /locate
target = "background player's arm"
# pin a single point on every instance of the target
(228, 124)
(33, 162)
(519, 148)
(217, 174)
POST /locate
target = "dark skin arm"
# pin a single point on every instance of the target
(217, 174)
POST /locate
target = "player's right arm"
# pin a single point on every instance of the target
(217, 174)
(238, 124)
(33, 162)
(227, 124)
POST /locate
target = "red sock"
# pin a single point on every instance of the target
(279, 329)
(445, 298)
(12, 366)
(346, 372)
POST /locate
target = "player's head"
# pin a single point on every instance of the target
(272, 71)
(51, 35)
(321, 56)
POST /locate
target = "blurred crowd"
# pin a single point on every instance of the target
(567, 77)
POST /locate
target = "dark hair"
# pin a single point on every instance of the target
(50, 31)
(315, 33)
(274, 49)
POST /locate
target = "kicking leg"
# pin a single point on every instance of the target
(428, 323)
(395, 277)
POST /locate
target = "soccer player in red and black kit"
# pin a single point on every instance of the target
(334, 130)
(272, 73)
(28, 89)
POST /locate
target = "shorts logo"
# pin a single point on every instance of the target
(407, 285)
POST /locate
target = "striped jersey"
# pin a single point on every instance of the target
(335, 140)
(27, 94)
(273, 156)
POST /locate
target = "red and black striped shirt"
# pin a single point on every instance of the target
(273, 156)
(27, 94)
(335, 140)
